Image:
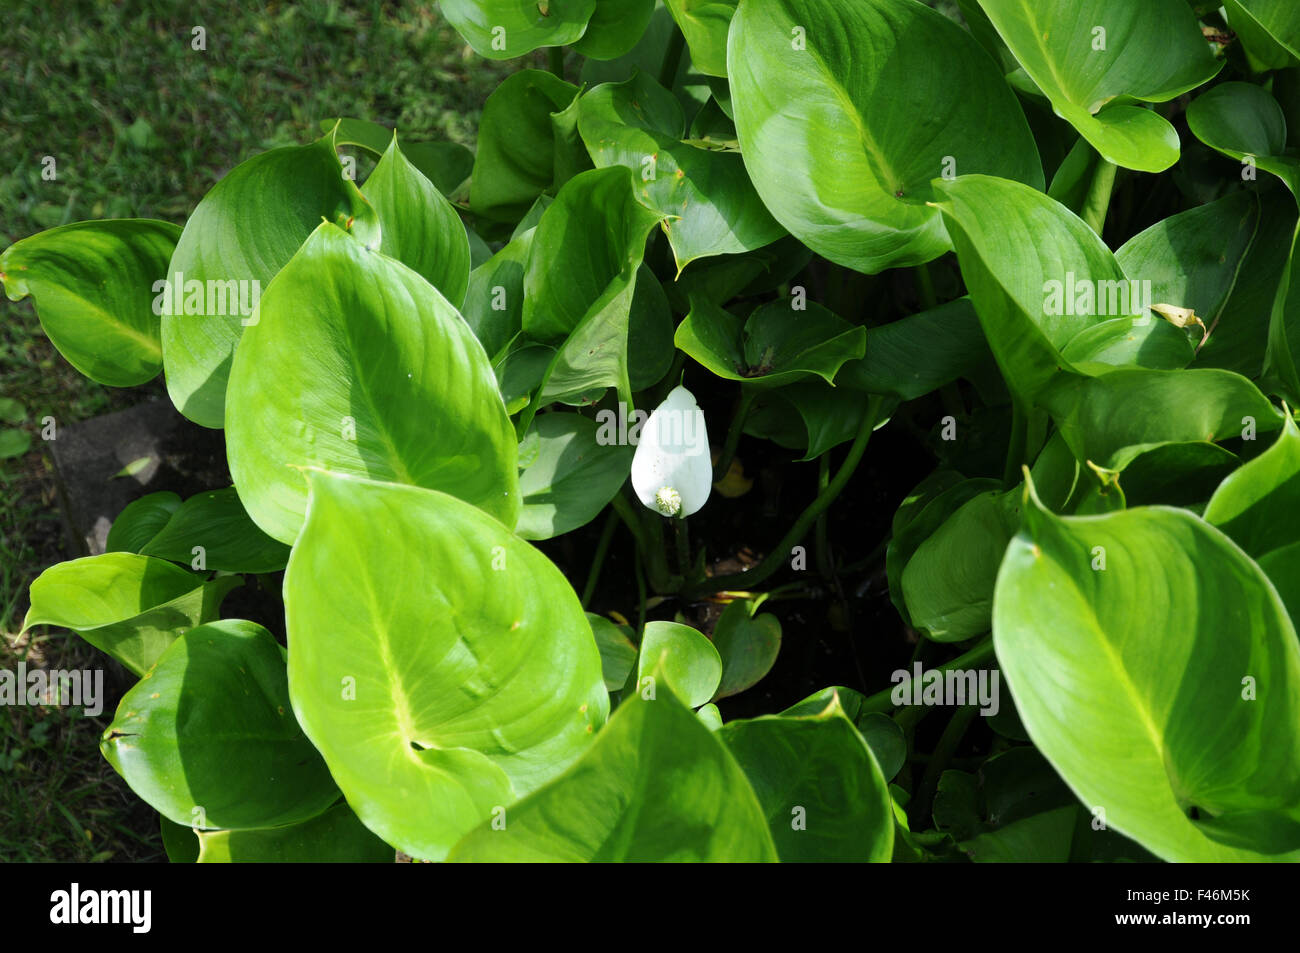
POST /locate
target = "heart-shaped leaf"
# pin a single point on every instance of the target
(844, 148)
(433, 704)
(686, 659)
(822, 792)
(95, 285)
(419, 227)
(216, 524)
(335, 837)
(572, 478)
(521, 154)
(1110, 420)
(657, 785)
(241, 234)
(913, 356)
(778, 344)
(711, 205)
(446, 164)
(748, 644)
(1280, 19)
(948, 582)
(617, 652)
(207, 737)
(704, 24)
(615, 27)
(1140, 691)
(129, 606)
(359, 365)
(1093, 58)
(1038, 277)
(140, 521)
(505, 29)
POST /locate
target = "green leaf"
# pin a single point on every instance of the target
(1137, 692)
(948, 582)
(420, 228)
(230, 540)
(918, 354)
(505, 29)
(131, 607)
(494, 301)
(843, 148)
(335, 837)
(776, 345)
(686, 659)
(1038, 275)
(245, 230)
(617, 653)
(433, 704)
(446, 164)
(615, 27)
(520, 151)
(572, 479)
(936, 503)
(704, 24)
(1110, 420)
(1278, 18)
(1241, 338)
(1192, 259)
(649, 331)
(1093, 58)
(657, 785)
(881, 733)
(1255, 506)
(588, 244)
(360, 366)
(207, 737)
(181, 843)
(711, 205)
(1244, 120)
(748, 644)
(822, 792)
(808, 415)
(140, 521)
(94, 286)
(14, 443)
(12, 411)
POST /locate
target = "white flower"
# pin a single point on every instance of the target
(672, 471)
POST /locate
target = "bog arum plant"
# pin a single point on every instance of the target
(401, 427)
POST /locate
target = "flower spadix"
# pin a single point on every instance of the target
(672, 471)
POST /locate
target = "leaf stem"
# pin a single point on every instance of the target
(734, 430)
(681, 533)
(1097, 202)
(598, 560)
(823, 537)
(943, 752)
(883, 702)
(925, 286)
(1016, 449)
(777, 557)
(555, 59)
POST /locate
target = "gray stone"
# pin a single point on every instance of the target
(91, 455)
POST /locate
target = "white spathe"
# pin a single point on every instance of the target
(672, 471)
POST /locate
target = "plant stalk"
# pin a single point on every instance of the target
(777, 557)
(943, 752)
(672, 59)
(734, 430)
(1097, 202)
(598, 561)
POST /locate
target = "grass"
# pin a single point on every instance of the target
(141, 124)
